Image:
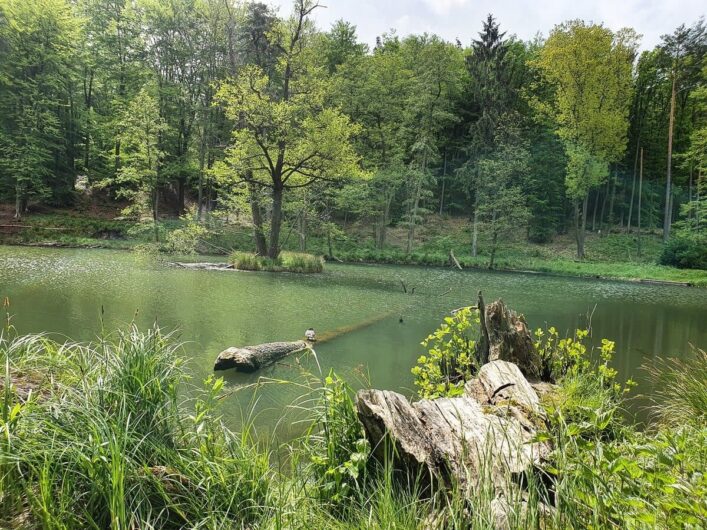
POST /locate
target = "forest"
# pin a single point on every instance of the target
(211, 109)
(541, 366)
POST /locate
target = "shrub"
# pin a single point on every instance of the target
(450, 359)
(685, 253)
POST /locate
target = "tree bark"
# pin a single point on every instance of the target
(611, 202)
(640, 194)
(275, 221)
(257, 214)
(581, 224)
(667, 217)
(251, 358)
(475, 229)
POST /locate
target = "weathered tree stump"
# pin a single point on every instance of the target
(506, 337)
(252, 358)
(488, 432)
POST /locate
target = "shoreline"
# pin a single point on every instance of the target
(466, 266)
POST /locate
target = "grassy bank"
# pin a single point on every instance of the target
(611, 256)
(99, 435)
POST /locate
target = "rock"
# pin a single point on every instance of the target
(509, 339)
(251, 358)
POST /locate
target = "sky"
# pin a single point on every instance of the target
(452, 19)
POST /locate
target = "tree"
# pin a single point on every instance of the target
(287, 136)
(502, 203)
(589, 68)
(36, 148)
(491, 94)
(682, 54)
(140, 175)
(341, 45)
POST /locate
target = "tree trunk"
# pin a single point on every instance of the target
(640, 193)
(594, 215)
(413, 214)
(18, 202)
(444, 180)
(603, 206)
(257, 214)
(475, 229)
(611, 202)
(200, 190)
(155, 214)
(633, 192)
(581, 224)
(494, 244)
(276, 221)
(667, 218)
(328, 241)
(303, 225)
(251, 358)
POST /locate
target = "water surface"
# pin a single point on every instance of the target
(65, 291)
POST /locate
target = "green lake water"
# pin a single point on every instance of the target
(63, 291)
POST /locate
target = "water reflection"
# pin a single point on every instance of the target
(63, 291)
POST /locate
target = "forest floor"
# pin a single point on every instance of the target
(611, 255)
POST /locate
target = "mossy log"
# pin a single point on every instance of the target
(252, 358)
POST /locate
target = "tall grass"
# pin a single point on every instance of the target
(98, 436)
(285, 262)
(680, 389)
(115, 448)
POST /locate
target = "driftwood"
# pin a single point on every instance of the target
(454, 260)
(251, 358)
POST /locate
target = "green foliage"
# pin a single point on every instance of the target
(685, 252)
(186, 239)
(337, 446)
(450, 360)
(590, 397)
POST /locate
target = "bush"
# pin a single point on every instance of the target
(685, 253)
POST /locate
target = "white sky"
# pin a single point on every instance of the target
(461, 19)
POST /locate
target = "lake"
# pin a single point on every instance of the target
(68, 292)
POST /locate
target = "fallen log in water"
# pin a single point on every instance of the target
(205, 266)
(251, 358)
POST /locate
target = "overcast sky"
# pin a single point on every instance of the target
(461, 19)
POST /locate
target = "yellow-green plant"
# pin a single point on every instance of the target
(450, 360)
